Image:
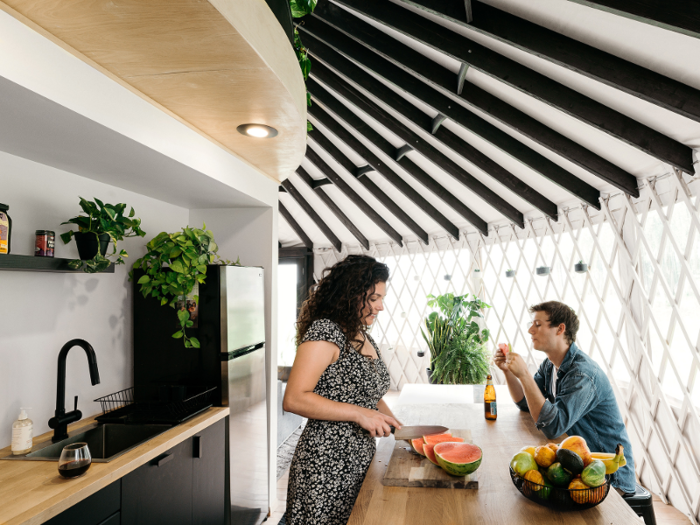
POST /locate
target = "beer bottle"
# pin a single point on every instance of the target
(490, 399)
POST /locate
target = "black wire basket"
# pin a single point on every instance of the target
(560, 498)
(121, 407)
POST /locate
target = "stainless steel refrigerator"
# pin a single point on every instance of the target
(230, 325)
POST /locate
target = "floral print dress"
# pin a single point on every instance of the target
(332, 457)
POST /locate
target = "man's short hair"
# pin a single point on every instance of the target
(559, 313)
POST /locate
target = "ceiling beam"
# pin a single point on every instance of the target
(313, 215)
(380, 166)
(295, 226)
(375, 190)
(589, 61)
(438, 158)
(458, 9)
(327, 99)
(435, 77)
(303, 175)
(343, 186)
(527, 81)
(682, 16)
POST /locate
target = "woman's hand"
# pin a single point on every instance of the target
(376, 423)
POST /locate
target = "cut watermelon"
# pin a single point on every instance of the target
(458, 459)
(430, 453)
(441, 438)
(417, 445)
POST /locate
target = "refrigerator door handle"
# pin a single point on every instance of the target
(197, 451)
(165, 458)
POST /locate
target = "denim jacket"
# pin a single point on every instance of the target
(585, 406)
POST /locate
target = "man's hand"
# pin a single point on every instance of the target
(516, 365)
(499, 360)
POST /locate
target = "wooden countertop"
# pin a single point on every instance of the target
(496, 501)
(32, 492)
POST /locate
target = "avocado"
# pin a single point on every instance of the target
(570, 460)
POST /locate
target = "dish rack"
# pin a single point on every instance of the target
(560, 498)
(121, 406)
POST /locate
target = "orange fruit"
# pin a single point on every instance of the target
(530, 450)
(580, 492)
(545, 456)
(536, 479)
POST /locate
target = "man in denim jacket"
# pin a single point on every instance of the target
(569, 393)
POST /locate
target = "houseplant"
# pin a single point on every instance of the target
(451, 331)
(103, 224)
(542, 270)
(173, 265)
(581, 267)
(510, 273)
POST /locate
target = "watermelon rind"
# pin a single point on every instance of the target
(417, 446)
(459, 469)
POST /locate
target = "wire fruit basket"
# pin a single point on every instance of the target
(560, 498)
(121, 407)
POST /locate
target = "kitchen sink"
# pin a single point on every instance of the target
(106, 442)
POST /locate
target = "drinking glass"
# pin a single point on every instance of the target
(74, 461)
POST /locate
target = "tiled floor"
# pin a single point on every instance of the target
(665, 514)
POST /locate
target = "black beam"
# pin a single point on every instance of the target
(589, 61)
(303, 175)
(436, 75)
(327, 99)
(320, 182)
(526, 80)
(295, 226)
(375, 190)
(352, 195)
(458, 9)
(312, 214)
(486, 102)
(677, 15)
(377, 164)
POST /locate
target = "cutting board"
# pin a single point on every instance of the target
(408, 469)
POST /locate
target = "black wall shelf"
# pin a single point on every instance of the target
(30, 263)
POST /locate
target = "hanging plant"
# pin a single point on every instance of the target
(174, 263)
(300, 8)
(102, 225)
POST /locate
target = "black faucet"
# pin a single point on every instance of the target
(61, 419)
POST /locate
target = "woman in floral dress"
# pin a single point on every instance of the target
(337, 381)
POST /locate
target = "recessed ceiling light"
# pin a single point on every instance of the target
(260, 131)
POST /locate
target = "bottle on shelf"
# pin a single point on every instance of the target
(490, 400)
(22, 434)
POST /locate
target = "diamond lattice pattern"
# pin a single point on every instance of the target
(638, 305)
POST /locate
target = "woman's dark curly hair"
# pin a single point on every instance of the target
(341, 294)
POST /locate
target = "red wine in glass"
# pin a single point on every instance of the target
(75, 460)
(73, 469)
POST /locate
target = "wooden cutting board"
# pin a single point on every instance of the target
(408, 469)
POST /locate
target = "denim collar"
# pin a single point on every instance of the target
(569, 358)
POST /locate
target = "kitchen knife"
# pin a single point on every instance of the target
(415, 432)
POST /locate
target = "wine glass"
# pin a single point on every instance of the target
(75, 460)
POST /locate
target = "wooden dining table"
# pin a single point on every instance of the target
(496, 501)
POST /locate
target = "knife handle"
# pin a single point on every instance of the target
(393, 429)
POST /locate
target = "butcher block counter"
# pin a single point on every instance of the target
(32, 492)
(496, 500)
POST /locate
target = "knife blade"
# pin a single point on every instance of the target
(418, 431)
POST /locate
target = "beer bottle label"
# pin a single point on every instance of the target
(493, 408)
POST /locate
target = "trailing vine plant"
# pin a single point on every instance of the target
(299, 9)
(174, 263)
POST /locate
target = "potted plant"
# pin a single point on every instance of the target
(103, 224)
(510, 273)
(172, 266)
(465, 360)
(542, 270)
(581, 267)
(456, 316)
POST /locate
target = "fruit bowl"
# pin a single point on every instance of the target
(560, 498)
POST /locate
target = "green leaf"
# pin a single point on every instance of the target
(183, 316)
(195, 342)
(143, 280)
(309, 127)
(66, 237)
(177, 266)
(178, 335)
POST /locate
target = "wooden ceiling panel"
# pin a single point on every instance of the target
(187, 57)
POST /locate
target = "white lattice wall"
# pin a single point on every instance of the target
(639, 307)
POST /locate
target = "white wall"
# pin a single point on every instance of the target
(42, 311)
(251, 234)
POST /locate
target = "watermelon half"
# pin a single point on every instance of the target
(458, 459)
(430, 453)
(417, 445)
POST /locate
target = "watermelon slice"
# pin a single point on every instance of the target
(428, 448)
(441, 438)
(505, 348)
(458, 459)
(417, 445)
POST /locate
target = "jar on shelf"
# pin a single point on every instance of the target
(45, 243)
(5, 229)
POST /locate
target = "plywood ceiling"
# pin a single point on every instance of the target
(188, 57)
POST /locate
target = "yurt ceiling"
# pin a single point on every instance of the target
(438, 118)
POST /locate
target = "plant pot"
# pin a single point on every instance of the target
(542, 270)
(430, 376)
(87, 244)
(510, 273)
(581, 267)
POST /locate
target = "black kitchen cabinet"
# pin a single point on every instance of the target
(161, 490)
(184, 486)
